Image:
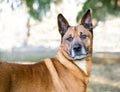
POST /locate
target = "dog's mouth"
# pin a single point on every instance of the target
(79, 52)
(80, 57)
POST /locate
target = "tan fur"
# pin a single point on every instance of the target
(58, 74)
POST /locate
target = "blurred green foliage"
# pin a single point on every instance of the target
(101, 8)
(38, 8)
(1, 1)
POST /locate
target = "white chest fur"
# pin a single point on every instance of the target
(82, 65)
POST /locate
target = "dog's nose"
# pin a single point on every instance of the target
(77, 47)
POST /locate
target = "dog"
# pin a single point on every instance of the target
(68, 71)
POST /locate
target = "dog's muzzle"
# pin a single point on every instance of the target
(78, 51)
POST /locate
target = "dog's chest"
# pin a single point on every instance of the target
(82, 65)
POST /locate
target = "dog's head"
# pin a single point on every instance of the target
(76, 41)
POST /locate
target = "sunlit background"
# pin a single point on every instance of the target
(28, 32)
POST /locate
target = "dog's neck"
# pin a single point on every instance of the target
(84, 65)
(60, 56)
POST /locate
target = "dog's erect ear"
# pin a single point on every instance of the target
(62, 24)
(86, 20)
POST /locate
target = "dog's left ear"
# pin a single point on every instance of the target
(62, 24)
(86, 20)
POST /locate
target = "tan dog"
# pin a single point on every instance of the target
(58, 74)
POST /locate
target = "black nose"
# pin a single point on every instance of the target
(77, 47)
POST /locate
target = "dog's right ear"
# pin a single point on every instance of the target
(62, 24)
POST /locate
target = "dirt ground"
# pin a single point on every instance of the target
(105, 75)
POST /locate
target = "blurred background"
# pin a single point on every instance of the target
(29, 33)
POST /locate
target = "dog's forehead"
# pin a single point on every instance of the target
(78, 29)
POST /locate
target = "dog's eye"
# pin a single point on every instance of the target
(70, 38)
(83, 36)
